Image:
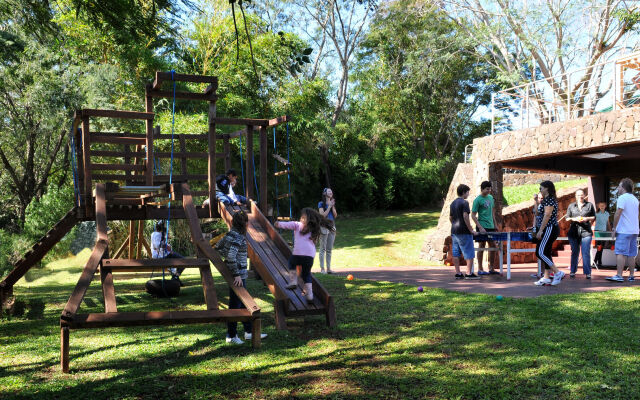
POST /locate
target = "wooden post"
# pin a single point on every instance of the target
(227, 154)
(64, 349)
(86, 163)
(140, 238)
(281, 321)
(256, 332)
(132, 235)
(249, 164)
(149, 141)
(263, 169)
(212, 159)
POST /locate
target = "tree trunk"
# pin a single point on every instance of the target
(325, 164)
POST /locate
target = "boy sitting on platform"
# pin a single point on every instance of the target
(224, 189)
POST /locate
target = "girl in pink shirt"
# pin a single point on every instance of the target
(305, 234)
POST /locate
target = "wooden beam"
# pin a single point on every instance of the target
(120, 154)
(108, 291)
(241, 121)
(117, 167)
(86, 162)
(132, 244)
(168, 94)
(101, 213)
(207, 250)
(87, 275)
(122, 247)
(140, 239)
(263, 169)
(278, 121)
(86, 113)
(117, 139)
(118, 263)
(208, 286)
(64, 349)
(249, 164)
(100, 320)
(162, 76)
(211, 179)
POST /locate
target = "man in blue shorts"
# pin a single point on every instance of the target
(462, 233)
(625, 230)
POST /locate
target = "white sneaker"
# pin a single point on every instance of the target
(234, 340)
(292, 282)
(542, 282)
(616, 278)
(557, 278)
(248, 336)
(308, 292)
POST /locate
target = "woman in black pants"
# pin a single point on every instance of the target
(547, 232)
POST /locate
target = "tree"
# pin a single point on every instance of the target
(422, 80)
(528, 40)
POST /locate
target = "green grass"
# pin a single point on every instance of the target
(391, 343)
(382, 239)
(517, 194)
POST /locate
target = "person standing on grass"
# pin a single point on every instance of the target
(327, 208)
(233, 248)
(625, 230)
(581, 214)
(602, 225)
(462, 233)
(484, 215)
(546, 231)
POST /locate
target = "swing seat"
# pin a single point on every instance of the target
(156, 288)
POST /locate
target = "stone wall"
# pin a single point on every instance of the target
(594, 131)
(515, 179)
(434, 247)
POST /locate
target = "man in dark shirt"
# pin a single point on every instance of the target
(581, 214)
(462, 233)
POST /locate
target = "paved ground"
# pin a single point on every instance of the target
(520, 285)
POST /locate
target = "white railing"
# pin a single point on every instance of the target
(603, 87)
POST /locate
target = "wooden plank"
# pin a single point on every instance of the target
(146, 246)
(186, 136)
(117, 167)
(277, 121)
(64, 349)
(86, 162)
(118, 177)
(284, 196)
(46, 243)
(226, 154)
(117, 139)
(205, 247)
(117, 263)
(211, 171)
(87, 112)
(241, 121)
(208, 286)
(100, 320)
(121, 248)
(263, 169)
(249, 164)
(140, 239)
(166, 76)
(132, 233)
(88, 272)
(256, 333)
(108, 291)
(280, 173)
(101, 213)
(281, 159)
(121, 154)
(118, 134)
(169, 94)
(182, 154)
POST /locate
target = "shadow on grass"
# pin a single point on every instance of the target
(391, 342)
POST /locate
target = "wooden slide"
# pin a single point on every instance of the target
(269, 253)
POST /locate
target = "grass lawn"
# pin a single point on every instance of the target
(383, 239)
(517, 194)
(391, 343)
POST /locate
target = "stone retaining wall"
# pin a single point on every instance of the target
(515, 179)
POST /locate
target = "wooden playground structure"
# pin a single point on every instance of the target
(137, 194)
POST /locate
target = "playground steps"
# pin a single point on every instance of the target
(37, 252)
(269, 255)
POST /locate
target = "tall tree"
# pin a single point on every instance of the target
(422, 80)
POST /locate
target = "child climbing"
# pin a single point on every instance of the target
(233, 248)
(305, 235)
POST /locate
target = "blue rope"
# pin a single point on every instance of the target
(289, 174)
